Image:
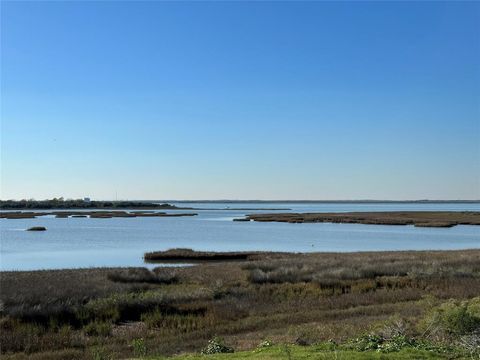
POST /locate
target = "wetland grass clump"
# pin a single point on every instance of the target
(97, 328)
(142, 275)
(192, 255)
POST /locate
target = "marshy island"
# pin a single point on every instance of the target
(91, 214)
(416, 218)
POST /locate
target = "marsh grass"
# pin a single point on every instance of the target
(335, 268)
(417, 218)
(282, 297)
(141, 275)
(189, 254)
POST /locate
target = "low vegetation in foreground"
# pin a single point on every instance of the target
(324, 351)
(416, 218)
(377, 305)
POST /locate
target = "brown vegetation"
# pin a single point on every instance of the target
(141, 275)
(91, 214)
(417, 218)
(18, 215)
(283, 297)
(191, 255)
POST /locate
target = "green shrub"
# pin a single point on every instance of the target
(368, 342)
(139, 347)
(374, 342)
(397, 343)
(454, 317)
(474, 307)
(265, 344)
(216, 346)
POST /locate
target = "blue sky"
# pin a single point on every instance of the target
(240, 100)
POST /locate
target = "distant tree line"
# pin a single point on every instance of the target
(60, 203)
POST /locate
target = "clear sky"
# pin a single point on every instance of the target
(240, 100)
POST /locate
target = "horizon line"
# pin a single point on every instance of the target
(259, 200)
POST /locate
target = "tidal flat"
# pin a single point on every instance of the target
(364, 301)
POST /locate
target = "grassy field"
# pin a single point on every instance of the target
(372, 304)
(296, 352)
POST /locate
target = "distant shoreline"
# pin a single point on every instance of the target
(55, 204)
(226, 201)
(322, 201)
(58, 204)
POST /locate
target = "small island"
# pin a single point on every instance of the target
(37, 228)
(416, 218)
(182, 255)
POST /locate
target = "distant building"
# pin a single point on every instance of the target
(86, 199)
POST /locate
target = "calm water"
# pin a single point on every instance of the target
(84, 242)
